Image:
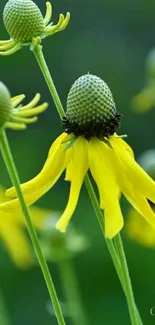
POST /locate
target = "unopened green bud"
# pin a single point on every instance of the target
(5, 104)
(23, 20)
(91, 109)
(90, 99)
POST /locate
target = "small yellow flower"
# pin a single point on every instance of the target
(139, 230)
(145, 99)
(15, 116)
(90, 143)
(136, 227)
(26, 25)
(12, 232)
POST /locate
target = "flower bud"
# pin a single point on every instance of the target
(23, 20)
(90, 99)
(91, 110)
(5, 104)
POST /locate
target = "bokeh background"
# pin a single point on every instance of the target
(109, 38)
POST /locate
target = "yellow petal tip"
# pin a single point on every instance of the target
(60, 226)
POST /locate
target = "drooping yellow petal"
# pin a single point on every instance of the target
(139, 230)
(16, 242)
(105, 179)
(138, 177)
(130, 191)
(69, 172)
(52, 167)
(124, 144)
(78, 171)
(63, 138)
(145, 209)
(33, 196)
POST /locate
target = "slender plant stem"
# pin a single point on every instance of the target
(115, 255)
(4, 316)
(130, 297)
(45, 71)
(9, 162)
(100, 219)
(71, 290)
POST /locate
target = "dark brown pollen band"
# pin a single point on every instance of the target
(93, 129)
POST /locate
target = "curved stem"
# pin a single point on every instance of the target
(71, 290)
(8, 159)
(116, 260)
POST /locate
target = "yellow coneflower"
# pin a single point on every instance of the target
(25, 24)
(90, 143)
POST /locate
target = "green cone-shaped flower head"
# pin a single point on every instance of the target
(90, 108)
(23, 20)
(5, 104)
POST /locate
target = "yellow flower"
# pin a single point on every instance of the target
(13, 235)
(139, 230)
(15, 116)
(90, 143)
(145, 100)
(26, 25)
(136, 227)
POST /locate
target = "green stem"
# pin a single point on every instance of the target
(100, 219)
(123, 273)
(9, 162)
(4, 317)
(115, 257)
(45, 71)
(71, 290)
(130, 296)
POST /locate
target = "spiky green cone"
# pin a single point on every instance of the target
(23, 20)
(5, 104)
(91, 110)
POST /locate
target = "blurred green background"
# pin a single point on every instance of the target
(109, 38)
